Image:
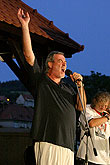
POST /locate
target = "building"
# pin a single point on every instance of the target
(26, 100)
(16, 116)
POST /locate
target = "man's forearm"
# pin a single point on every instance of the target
(81, 100)
(27, 46)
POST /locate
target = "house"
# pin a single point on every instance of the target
(26, 100)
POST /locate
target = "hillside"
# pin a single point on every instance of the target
(92, 83)
(12, 89)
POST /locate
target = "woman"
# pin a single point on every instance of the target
(99, 126)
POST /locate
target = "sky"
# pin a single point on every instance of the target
(87, 22)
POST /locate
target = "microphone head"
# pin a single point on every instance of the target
(68, 72)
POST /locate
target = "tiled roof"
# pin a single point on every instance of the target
(16, 112)
(8, 14)
(39, 25)
(27, 96)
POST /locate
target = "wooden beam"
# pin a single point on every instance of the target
(20, 73)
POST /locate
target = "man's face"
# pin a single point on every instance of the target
(58, 66)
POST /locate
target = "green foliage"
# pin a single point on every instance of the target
(94, 83)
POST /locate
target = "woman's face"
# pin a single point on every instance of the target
(102, 106)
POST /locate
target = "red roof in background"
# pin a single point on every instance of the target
(16, 112)
(39, 25)
(27, 96)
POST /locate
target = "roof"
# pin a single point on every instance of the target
(27, 96)
(16, 112)
(39, 25)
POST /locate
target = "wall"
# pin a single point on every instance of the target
(13, 143)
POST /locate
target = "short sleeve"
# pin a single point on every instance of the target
(34, 74)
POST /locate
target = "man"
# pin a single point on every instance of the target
(98, 120)
(53, 127)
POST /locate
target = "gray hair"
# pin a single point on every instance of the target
(100, 97)
(50, 58)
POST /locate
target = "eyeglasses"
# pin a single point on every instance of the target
(60, 61)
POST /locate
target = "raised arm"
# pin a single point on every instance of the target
(27, 46)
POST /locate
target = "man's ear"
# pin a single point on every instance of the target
(50, 64)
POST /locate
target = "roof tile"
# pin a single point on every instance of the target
(16, 112)
(38, 24)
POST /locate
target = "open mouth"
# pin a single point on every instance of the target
(63, 70)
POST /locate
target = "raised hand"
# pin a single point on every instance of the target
(23, 18)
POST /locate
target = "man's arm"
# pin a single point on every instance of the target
(75, 78)
(81, 106)
(27, 46)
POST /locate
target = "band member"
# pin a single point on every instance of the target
(98, 120)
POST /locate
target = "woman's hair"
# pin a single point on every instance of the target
(50, 58)
(100, 97)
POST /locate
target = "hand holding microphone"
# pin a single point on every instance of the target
(76, 77)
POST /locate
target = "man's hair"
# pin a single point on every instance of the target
(50, 58)
(100, 97)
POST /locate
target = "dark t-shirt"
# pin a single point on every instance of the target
(54, 118)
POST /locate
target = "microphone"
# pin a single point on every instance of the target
(69, 72)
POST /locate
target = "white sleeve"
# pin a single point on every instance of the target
(89, 114)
